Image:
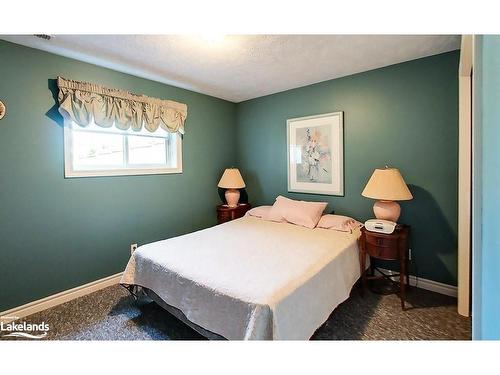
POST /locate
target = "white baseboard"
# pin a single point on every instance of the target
(434, 286)
(59, 298)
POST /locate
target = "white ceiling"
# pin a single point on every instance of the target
(241, 67)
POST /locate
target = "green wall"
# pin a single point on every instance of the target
(59, 233)
(404, 115)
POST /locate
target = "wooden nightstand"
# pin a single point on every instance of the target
(394, 246)
(226, 213)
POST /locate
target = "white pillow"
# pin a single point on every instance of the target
(339, 222)
(260, 211)
(306, 214)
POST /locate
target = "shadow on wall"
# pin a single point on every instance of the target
(438, 247)
(251, 179)
(53, 112)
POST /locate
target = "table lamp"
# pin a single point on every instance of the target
(232, 181)
(387, 185)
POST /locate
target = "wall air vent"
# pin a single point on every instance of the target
(43, 36)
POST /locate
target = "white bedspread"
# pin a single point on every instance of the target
(251, 278)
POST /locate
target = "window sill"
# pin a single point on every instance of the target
(122, 172)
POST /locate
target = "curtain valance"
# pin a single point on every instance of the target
(83, 102)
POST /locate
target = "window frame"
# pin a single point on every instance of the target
(69, 172)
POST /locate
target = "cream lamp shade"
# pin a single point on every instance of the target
(232, 180)
(388, 186)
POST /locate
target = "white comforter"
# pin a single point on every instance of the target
(251, 278)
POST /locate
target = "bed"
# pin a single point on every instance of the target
(249, 279)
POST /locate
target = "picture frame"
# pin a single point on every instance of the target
(3, 110)
(315, 148)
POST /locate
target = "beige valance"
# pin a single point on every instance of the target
(83, 102)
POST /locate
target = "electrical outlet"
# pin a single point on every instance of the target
(409, 254)
(133, 248)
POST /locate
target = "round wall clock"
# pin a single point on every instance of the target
(3, 109)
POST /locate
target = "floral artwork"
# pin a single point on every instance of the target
(315, 154)
(314, 165)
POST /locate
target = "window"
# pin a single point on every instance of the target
(96, 151)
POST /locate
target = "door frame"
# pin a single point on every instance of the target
(465, 125)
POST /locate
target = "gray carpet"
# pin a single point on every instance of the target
(112, 314)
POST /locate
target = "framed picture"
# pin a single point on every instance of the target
(3, 110)
(316, 154)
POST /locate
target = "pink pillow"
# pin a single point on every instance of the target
(261, 211)
(338, 222)
(306, 214)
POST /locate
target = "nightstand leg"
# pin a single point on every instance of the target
(407, 274)
(362, 262)
(403, 277)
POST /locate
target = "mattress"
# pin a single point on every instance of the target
(251, 278)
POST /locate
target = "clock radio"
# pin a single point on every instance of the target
(380, 226)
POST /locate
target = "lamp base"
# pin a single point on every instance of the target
(387, 210)
(232, 197)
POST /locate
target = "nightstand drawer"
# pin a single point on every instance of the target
(226, 213)
(381, 241)
(386, 253)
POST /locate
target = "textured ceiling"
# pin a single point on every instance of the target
(241, 67)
